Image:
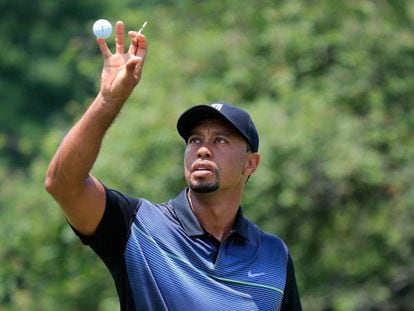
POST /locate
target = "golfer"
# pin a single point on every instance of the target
(196, 251)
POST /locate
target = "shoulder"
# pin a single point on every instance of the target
(155, 219)
(267, 239)
(132, 206)
(148, 208)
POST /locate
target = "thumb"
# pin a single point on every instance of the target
(132, 63)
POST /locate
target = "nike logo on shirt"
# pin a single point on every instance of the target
(250, 274)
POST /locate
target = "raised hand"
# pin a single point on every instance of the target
(122, 70)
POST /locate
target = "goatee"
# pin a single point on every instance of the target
(204, 187)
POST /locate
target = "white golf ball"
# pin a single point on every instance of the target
(102, 28)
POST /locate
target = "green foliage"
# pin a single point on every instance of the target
(329, 84)
(44, 44)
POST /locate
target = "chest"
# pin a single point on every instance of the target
(185, 272)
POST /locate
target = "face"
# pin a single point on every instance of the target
(217, 157)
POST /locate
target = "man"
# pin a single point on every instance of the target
(195, 252)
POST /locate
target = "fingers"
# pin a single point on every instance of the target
(103, 47)
(119, 41)
(142, 46)
(137, 47)
(133, 47)
(134, 64)
(139, 44)
(119, 37)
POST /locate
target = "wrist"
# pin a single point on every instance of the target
(107, 104)
(109, 100)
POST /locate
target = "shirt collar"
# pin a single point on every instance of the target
(192, 226)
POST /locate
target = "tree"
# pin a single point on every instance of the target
(43, 68)
(329, 85)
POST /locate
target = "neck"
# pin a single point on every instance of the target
(215, 211)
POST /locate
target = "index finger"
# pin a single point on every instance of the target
(103, 47)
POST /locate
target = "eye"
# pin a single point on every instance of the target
(194, 140)
(220, 140)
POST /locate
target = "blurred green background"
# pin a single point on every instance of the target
(330, 85)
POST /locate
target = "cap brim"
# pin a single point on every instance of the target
(191, 117)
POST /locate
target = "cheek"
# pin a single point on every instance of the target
(187, 160)
(236, 163)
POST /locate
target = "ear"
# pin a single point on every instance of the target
(252, 163)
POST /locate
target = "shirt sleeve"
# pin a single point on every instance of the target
(113, 230)
(291, 300)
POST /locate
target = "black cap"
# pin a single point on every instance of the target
(236, 117)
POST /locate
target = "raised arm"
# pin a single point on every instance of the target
(68, 177)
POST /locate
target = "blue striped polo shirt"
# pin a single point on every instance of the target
(162, 259)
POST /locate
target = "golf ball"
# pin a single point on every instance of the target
(102, 28)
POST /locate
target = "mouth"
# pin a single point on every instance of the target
(203, 168)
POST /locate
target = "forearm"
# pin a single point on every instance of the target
(68, 179)
(70, 167)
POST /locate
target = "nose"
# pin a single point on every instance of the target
(204, 152)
